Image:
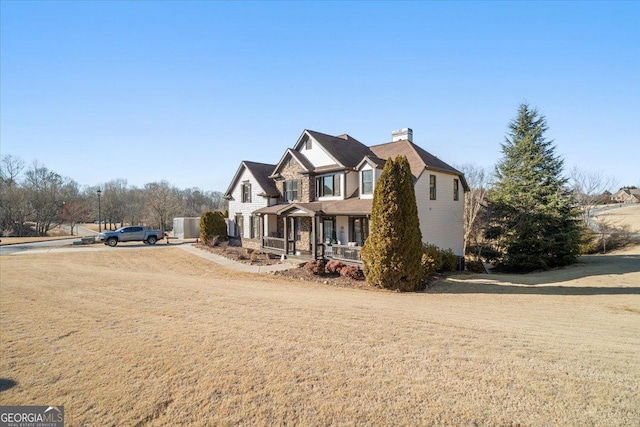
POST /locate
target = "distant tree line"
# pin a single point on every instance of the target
(34, 199)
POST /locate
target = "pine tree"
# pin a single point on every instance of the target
(532, 212)
(391, 255)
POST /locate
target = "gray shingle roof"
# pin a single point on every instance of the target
(418, 158)
(260, 172)
(347, 151)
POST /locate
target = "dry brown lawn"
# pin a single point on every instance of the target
(157, 336)
(628, 216)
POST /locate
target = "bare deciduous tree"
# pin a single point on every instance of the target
(13, 200)
(163, 202)
(587, 187)
(74, 212)
(197, 202)
(474, 202)
(114, 199)
(46, 192)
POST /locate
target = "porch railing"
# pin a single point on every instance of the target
(343, 252)
(273, 243)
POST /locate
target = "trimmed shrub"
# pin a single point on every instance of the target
(475, 266)
(391, 255)
(449, 260)
(428, 264)
(352, 272)
(212, 224)
(436, 259)
(316, 267)
(334, 267)
(432, 257)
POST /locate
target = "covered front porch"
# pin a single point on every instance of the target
(319, 230)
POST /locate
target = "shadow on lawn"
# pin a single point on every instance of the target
(485, 288)
(550, 282)
(6, 384)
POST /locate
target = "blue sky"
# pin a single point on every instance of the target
(184, 91)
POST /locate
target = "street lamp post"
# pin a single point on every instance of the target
(99, 219)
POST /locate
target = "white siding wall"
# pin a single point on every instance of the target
(270, 225)
(440, 219)
(316, 155)
(237, 207)
(342, 234)
(352, 181)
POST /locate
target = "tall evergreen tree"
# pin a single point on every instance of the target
(533, 213)
(391, 255)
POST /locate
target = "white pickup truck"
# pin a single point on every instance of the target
(131, 234)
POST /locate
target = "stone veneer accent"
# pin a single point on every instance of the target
(306, 191)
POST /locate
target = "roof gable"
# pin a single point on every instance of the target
(373, 161)
(260, 172)
(298, 157)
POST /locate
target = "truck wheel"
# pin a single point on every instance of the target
(112, 241)
(152, 240)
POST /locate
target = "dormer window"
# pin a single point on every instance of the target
(367, 181)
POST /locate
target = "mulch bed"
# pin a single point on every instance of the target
(243, 255)
(303, 274)
(255, 257)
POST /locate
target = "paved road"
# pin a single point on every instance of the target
(80, 231)
(10, 249)
(20, 247)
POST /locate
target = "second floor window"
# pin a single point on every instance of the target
(367, 182)
(432, 187)
(246, 192)
(456, 192)
(328, 186)
(291, 190)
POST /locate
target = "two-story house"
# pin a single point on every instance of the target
(317, 199)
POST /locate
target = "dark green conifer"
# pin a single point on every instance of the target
(212, 225)
(533, 215)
